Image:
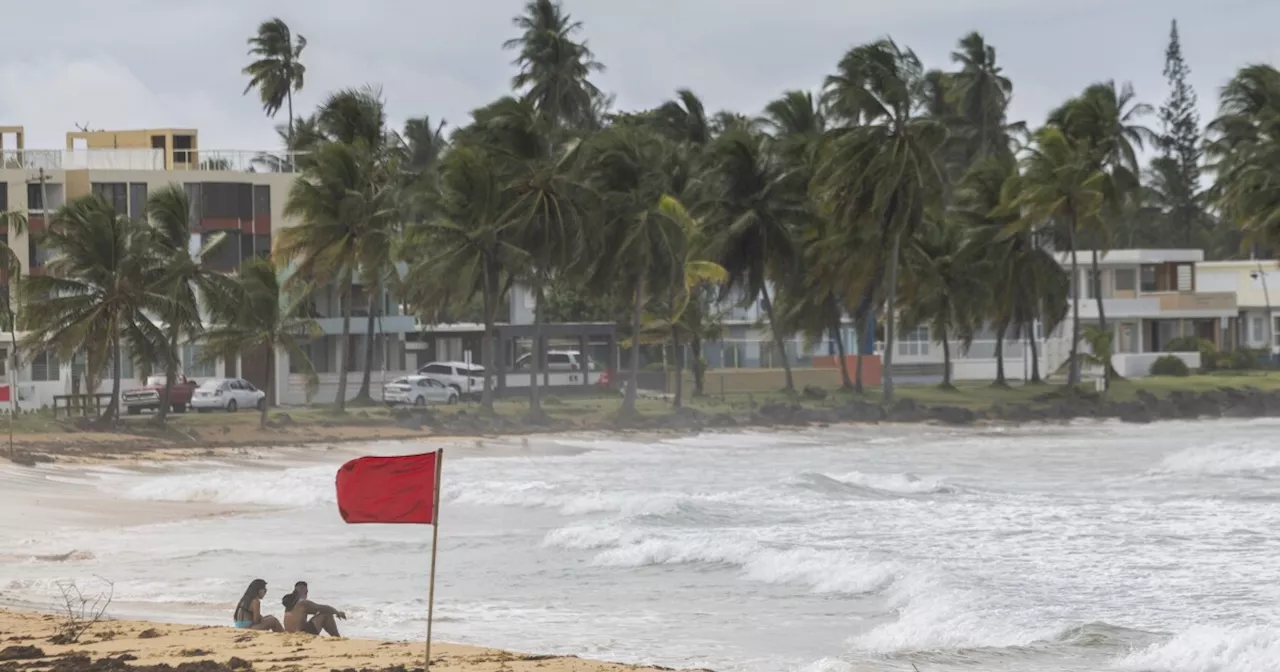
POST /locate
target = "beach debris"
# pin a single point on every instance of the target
(149, 633)
(239, 664)
(194, 653)
(21, 653)
(80, 611)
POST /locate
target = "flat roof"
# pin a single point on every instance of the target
(1133, 256)
(1239, 265)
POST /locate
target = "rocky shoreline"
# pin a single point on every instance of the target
(1054, 406)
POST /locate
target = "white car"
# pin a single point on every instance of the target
(558, 360)
(227, 394)
(462, 377)
(418, 391)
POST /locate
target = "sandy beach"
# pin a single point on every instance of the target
(144, 644)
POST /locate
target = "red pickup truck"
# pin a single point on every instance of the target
(148, 396)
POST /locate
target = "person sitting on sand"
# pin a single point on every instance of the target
(297, 608)
(248, 614)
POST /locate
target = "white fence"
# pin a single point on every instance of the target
(233, 160)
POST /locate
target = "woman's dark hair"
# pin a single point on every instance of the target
(250, 594)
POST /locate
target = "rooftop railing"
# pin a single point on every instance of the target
(230, 160)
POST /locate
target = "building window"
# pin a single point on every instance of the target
(44, 367)
(1126, 279)
(1149, 283)
(115, 193)
(914, 343)
(35, 197)
(137, 200)
(193, 364)
(1257, 330)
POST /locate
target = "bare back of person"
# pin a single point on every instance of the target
(303, 615)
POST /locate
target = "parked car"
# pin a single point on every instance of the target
(418, 391)
(147, 397)
(227, 394)
(462, 377)
(558, 360)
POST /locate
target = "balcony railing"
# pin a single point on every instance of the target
(1198, 301)
(231, 160)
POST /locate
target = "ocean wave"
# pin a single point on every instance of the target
(822, 570)
(932, 615)
(1222, 460)
(857, 483)
(289, 488)
(1210, 649)
(538, 494)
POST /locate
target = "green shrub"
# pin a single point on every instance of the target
(1169, 365)
(1210, 358)
(1243, 359)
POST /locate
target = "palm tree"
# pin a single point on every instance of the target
(186, 281)
(276, 71)
(1103, 123)
(462, 245)
(256, 311)
(981, 95)
(97, 292)
(879, 169)
(636, 248)
(681, 296)
(341, 199)
(14, 223)
(752, 219)
(1060, 184)
(554, 67)
(1244, 153)
(944, 288)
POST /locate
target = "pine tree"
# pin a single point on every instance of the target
(1180, 143)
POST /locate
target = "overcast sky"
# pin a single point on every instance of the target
(170, 63)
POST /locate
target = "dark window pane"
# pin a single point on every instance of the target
(35, 196)
(138, 200)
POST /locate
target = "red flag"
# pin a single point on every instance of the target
(4, 393)
(388, 489)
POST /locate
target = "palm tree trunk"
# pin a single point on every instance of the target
(486, 345)
(790, 385)
(946, 359)
(113, 408)
(1073, 372)
(343, 364)
(677, 352)
(288, 93)
(266, 401)
(699, 367)
(1102, 316)
(170, 375)
(536, 363)
(1035, 353)
(366, 379)
(845, 383)
(891, 316)
(629, 396)
(1000, 380)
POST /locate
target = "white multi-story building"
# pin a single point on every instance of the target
(240, 193)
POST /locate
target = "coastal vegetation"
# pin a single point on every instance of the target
(889, 188)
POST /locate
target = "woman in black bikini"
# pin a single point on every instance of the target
(248, 613)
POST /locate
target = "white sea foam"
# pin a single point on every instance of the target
(904, 483)
(1223, 460)
(933, 614)
(1210, 649)
(306, 486)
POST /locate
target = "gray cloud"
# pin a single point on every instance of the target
(158, 63)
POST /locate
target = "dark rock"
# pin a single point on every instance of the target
(814, 392)
(953, 415)
(21, 653)
(907, 410)
(861, 411)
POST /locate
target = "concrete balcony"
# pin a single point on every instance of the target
(1211, 304)
(1163, 305)
(211, 160)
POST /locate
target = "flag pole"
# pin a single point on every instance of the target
(435, 536)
